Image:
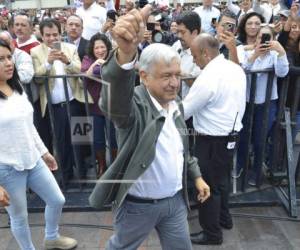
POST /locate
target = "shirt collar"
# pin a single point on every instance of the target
(173, 106)
(32, 39)
(216, 59)
(207, 7)
(75, 42)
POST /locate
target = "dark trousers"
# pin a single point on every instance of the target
(215, 162)
(63, 137)
(256, 135)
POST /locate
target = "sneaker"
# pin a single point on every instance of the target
(237, 173)
(63, 243)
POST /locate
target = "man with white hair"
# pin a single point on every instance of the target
(149, 176)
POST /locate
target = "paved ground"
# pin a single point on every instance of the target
(247, 234)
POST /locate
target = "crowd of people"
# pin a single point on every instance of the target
(191, 91)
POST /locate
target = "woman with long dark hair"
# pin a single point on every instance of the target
(98, 51)
(264, 54)
(25, 161)
(249, 27)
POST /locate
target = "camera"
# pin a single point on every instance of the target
(160, 36)
(230, 27)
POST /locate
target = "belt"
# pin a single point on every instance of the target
(213, 137)
(143, 200)
(61, 104)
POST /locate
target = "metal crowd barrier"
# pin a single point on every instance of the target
(45, 84)
(281, 162)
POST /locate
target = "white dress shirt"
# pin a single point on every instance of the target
(163, 178)
(58, 91)
(188, 67)
(93, 19)
(270, 60)
(216, 98)
(20, 144)
(235, 9)
(206, 15)
(24, 65)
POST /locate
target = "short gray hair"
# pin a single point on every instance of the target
(156, 53)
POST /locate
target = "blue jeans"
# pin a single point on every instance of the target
(42, 182)
(256, 135)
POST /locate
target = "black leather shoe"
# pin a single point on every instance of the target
(226, 225)
(195, 234)
(202, 239)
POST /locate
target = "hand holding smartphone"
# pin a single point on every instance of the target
(57, 45)
(230, 27)
(265, 37)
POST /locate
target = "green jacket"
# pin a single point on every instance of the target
(138, 124)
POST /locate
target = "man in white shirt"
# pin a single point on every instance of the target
(50, 60)
(188, 27)
(93, 16)
(107, 4)
(153, 160)
(217, 102)
(209, 15)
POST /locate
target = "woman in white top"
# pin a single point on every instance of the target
(261, 55)
(25, 161)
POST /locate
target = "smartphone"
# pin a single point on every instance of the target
(57, 45)
(111, 15)
(213, 20)
(276, 18)
(265, 37)
(230, 27)
(150, 26)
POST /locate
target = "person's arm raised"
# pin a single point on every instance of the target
(128, 33)
(118, 72)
